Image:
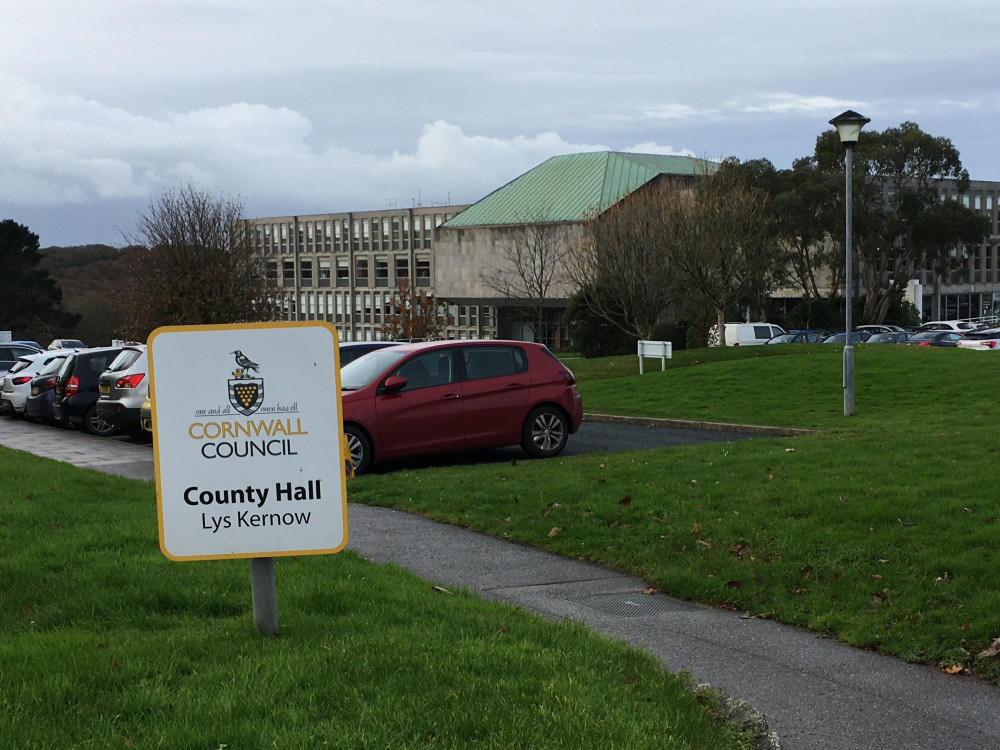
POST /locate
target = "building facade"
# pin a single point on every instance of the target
(972, 291)
(344, 267)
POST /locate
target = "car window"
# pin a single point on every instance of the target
(20, 365)
(427, 369)
(125, 359)
(763, 332)
(493, 361)
(364, 370)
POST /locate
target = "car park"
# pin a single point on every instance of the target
(76, 389)
(122, 388)
(935, 338)
(15, 387)
(446, 396)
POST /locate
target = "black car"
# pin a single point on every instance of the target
(41, 393)
(934, 338)
(76, 389)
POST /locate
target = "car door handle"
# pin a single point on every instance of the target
(450, 396)
(513, 387)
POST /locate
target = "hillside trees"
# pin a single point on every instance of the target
(191, 262)
(30, 301)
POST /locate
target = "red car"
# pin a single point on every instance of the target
(443, 396)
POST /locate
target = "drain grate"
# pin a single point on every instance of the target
(632, 604)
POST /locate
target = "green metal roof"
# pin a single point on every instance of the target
(568, 188)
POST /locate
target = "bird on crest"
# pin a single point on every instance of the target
(244, 362)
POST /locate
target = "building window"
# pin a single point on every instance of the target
(381, 271)
(272, 273)
(343, 272)
(361, 271)
(402, 268)
(423, 270)
(306, 271)
(288, 273)
(324, 271)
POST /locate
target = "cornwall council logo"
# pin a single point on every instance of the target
(246, 393)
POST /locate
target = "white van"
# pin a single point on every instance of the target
(745, 334)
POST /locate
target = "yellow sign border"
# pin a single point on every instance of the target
(156, 450)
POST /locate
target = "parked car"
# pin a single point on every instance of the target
(745, 334)
(935, 338)
(984, 340)
(41, 393)
(11, 351)
(892, 337)
(146, 414)
(960, 326)
(443, 396)
(857, 337)
(66, 344)
(123, 387)
(351, 350)
(797, 337)
(880, 328)
(76, 389)
(15, 387)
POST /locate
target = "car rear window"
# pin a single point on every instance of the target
(124, 360)
(494, 361)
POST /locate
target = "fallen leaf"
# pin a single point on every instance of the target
(555, 530)
(627, 500)
(649, 591)
(953, 669)
(734, 584)
(992, 651)
(442, 590)
(789, 450)
(705, 543)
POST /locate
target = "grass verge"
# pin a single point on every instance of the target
(880, 531)
(105, 643)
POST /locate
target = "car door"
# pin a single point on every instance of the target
(425, 416)
(494, 394)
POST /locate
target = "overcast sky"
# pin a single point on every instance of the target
(313, 106)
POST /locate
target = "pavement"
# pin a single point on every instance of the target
(813, 692)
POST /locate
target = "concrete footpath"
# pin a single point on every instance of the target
(816, 694)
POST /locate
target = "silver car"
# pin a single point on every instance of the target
(15, 387)
(123, 387)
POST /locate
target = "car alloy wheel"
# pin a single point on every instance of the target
(360, 446)
(95, 424)
(545, 432)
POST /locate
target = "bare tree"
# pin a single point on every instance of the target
(623, 263)
(530, 266)
(724, 247)
(413, 315)
(192, 263)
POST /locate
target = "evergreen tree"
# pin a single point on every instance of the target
(30, 301)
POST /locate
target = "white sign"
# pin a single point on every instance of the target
(247, 430)
(662, 349)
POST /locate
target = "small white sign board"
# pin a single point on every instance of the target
(247, 426)
(662, 349)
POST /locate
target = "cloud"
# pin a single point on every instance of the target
(58, 149)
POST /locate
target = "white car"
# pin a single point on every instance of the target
(959, 326)
(15, 387)
(985, 340)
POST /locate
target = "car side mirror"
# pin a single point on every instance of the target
(394, 384)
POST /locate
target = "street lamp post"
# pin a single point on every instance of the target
(848, 126)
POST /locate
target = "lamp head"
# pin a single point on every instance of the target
(849, 126)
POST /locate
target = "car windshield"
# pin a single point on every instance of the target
(364, 370)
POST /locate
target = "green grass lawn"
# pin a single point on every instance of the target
(104, 643)
(881, 531)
